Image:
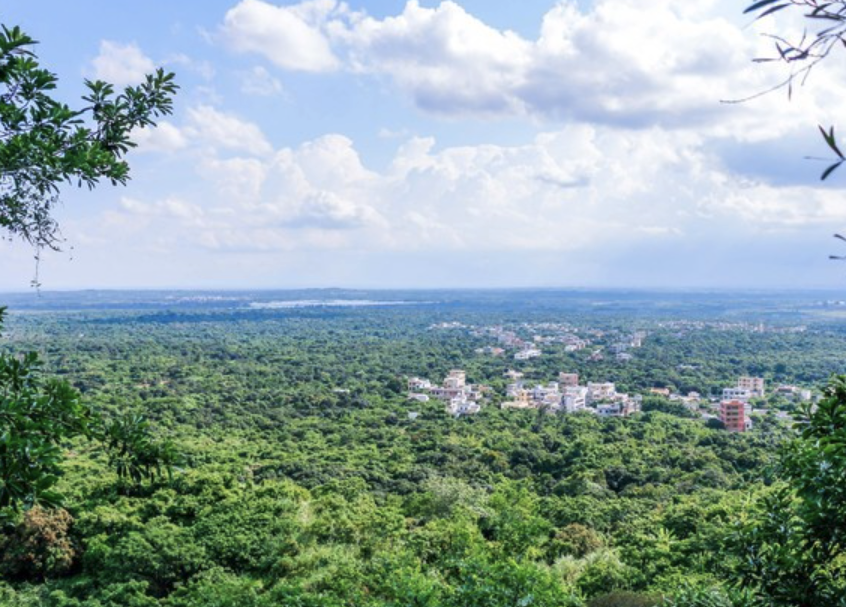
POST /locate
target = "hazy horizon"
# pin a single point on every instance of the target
(365, 289)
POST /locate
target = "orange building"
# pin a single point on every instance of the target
(733, 415)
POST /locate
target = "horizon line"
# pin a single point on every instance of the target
(264, 289)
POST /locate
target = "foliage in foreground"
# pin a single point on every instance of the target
(38, 414)
(45, 144)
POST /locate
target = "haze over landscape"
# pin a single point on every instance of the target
(446, 144)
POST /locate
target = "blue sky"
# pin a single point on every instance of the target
(477, 143)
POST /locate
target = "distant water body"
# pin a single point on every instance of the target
(327, 303)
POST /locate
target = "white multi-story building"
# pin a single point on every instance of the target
(755, 385)
(541, 392)
(416, 383)
(461, 398)
(623, 407)
(461, 405)
(527, 354)
(609, 410)
(575, 398)
(455, 379)
(741, 394)
(601, 391)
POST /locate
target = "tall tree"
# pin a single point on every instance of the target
(44, 144)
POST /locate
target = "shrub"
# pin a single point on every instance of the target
(40, 545)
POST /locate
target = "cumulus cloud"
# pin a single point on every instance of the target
(290, 37)
(444, 57)
(164, 137)
(323, 209)
(635, 157)
(579, 190)
(121, 64)
(225, 131)
(611, 63)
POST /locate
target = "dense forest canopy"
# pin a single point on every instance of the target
(307, 477)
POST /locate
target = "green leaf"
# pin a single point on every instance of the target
(831, 142)
(830, 170)
(773, 9)
(758, 5)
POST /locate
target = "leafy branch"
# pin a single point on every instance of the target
(804, 54)
(45, 144)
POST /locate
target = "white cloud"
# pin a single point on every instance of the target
(225, 131)
(169, 208)
(237, 177)
(578, 191)
(327, 210)
(290, 37)
(581, 204)
(202, 68)
(444, 57)
(613, 63)
(258, 81)
(121, 64)
(164, 137)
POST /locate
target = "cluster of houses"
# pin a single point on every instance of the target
(567, 396)
(528, 353)
(490, 351)
(691, 400)
(794, 393)
(621, 348)
(562, 396)
(572, 342)
(528, 349)
(746, 389)
(461, 398)
(525, 342)
(682, 327)
(735, 406)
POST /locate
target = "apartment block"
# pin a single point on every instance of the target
(733, 415)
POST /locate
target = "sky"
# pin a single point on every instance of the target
(454, 143)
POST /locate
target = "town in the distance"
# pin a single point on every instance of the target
(566, 395)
